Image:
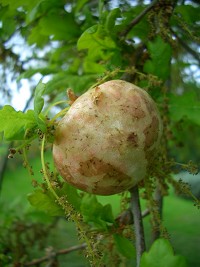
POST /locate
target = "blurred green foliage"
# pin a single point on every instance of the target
(78, 44)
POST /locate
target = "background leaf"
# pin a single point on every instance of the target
(161, 254)
(107, 213)
(38, 106)
(45, 202)
(185, 106)
(64, 28)
(115, 41)
(124, 246)
(111, 19)
(72, 195)
(38, 99)
(160, 54)
(94, 212)
(15, 123)
(189, 13)
(30, 72)
(63, 80)
(97, 42)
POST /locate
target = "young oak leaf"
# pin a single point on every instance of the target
(15, 123)
(96, 213)
(98, 43)
(45, 202)
(124, 246)
(161, 254)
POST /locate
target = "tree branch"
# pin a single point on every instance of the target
(53, 254)
(138, 18)
(138, 224)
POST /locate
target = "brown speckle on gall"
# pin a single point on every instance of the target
(102, 145)
(133, 139)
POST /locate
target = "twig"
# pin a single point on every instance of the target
(145, 213)
(126, 217)
(55, 254)
(138, 18)
(159, 200)
(74, 248)
(138, 224)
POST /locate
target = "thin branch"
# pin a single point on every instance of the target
(126, 217)
(53, 254)
(159, 200)
(145, 213)
(138, 18)
(138, 224)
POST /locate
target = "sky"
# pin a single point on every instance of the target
(21, 93)
(21, 96)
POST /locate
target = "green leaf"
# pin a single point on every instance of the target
(61, 27)
(15, 4)
(41, 122)
(35, 12)
(62, 80)
(107, 214)
(12, 4)
(81, 83)
(38, 106)
(87, 35)
(124, 246)
(92, 67)
(30, 72)
(185, 106)
(161, 254)
(72, 195)
(111, 18)
(15, 123)
(45, 202)
(35, 37)
(90, 207)
(189, 13)
(80, 4)
(59, 81)
(94, 212)
(97, 42)
(8, 23)
(27, 74)
(160, 53)
(140, 30)
(38, 99)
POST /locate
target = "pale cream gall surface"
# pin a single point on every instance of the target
(107, 139)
